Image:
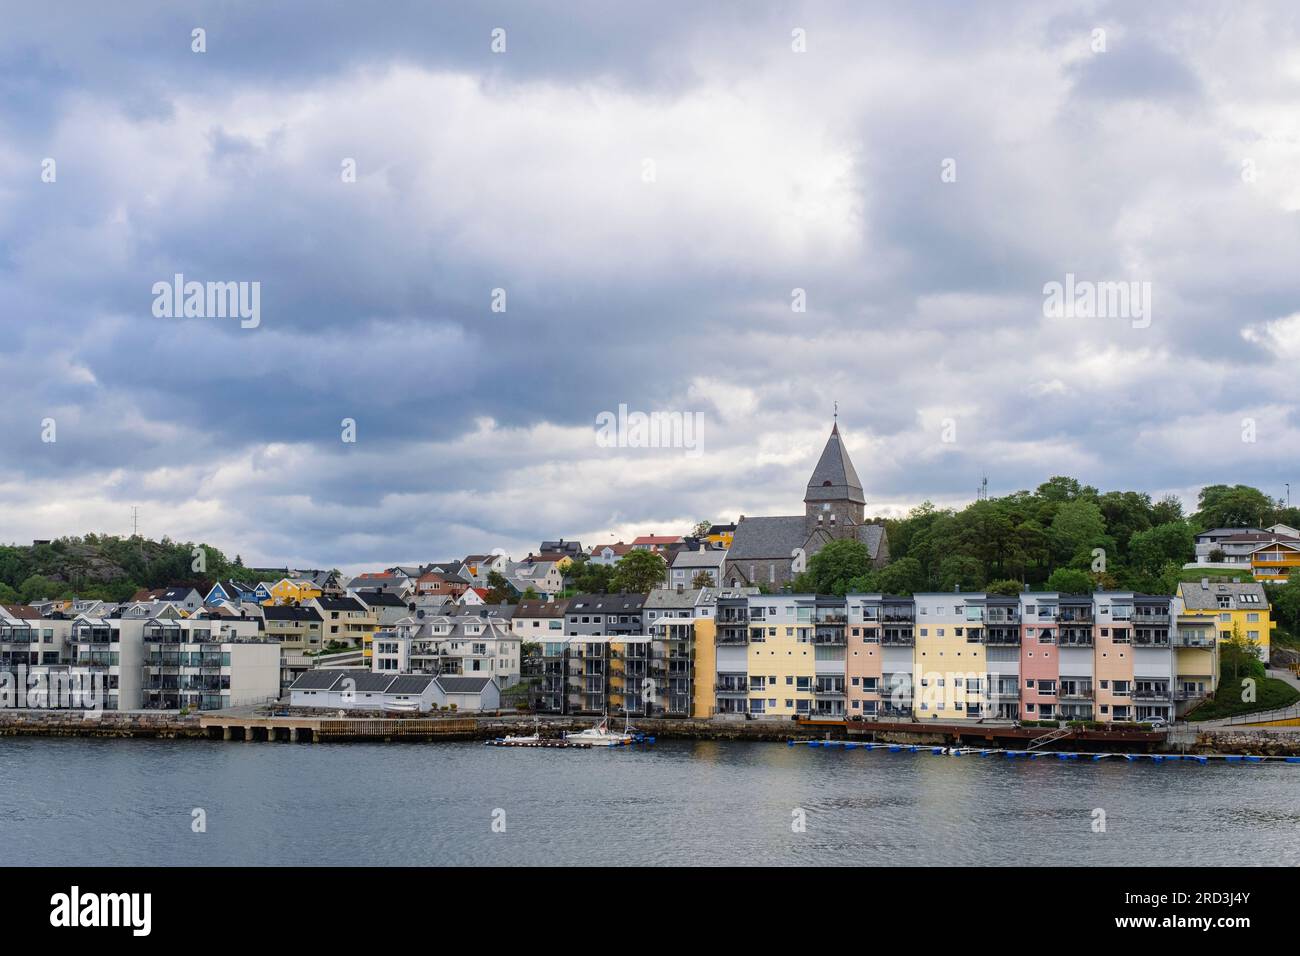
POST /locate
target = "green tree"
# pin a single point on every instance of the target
(638, 572)
(1150, 551)
(1007, 587)
(499, 589)
(1070, 581)
(903, 577)
(38, 588)
(836, 564)
(1231, 506)
(702, 579)
(960, 571)
(1077, 525)
(701, 529)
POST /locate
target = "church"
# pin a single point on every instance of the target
(769, 552)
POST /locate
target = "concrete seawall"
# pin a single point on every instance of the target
(329, 727)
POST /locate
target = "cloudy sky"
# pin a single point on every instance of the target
(648, 184)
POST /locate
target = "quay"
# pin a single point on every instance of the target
(271, 723)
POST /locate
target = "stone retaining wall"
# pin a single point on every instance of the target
(63, 723)
(1266, 742)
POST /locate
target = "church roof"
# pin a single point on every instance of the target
(834, 478)
(767, 538)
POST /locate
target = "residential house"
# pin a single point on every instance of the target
(689, 565)
(1240, 610)
(347, 621)
(608, 554)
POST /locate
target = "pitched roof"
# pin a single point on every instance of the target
(657, 539)
(618, 548)
(289, 612)
(543, 609)
(380, 599)
(767, 538)
(834, 478)
(340, 604)
(463, 685)
(704, 558)
(871, 535)
(606, 603)
(1198, 598)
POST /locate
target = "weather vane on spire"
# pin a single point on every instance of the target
(837, 410)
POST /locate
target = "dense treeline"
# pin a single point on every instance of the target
(107, 568)
(1063, 536)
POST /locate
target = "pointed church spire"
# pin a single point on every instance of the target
(834, 478)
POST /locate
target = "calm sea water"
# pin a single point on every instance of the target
(108, 802)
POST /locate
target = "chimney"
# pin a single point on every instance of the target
(1205, 584)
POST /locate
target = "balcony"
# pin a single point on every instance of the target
(830, 688)
(1151, 692)
(1141, 619)
(999, 692)
(17, 635)
(733, 635)
(830, 617)
(1002, 636)
(898, 615)
(93, 635)
(1198, 638)
(1074, 691)
(1075, 637)
(994, 617)
(830, 636)
(1076, 712)
(975, 635)
(1075, 616)
(1151, 637)
(897, 637)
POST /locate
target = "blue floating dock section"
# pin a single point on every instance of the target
(942, 751)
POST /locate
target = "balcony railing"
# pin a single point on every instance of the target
(733, 635)
(830, 635)
(898, 637)
(1002, 636)
(1194, 639)
(1157, 692)
(1140, 619)
(1075, 637)
(1147, 638)
(830, 688)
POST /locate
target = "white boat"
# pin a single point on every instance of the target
(532, 738)
(600, 736)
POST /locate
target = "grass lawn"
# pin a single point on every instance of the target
(1271, 694)
(1192, 575)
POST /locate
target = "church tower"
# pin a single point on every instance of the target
(834, 503)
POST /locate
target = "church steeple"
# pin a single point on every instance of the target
(834, 478)
(834, 503)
